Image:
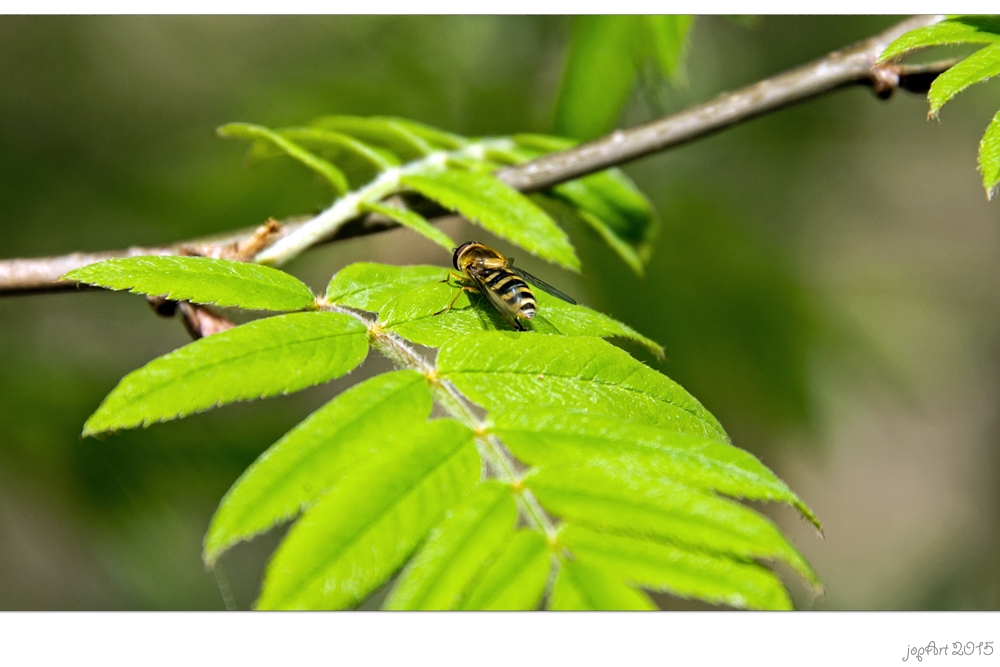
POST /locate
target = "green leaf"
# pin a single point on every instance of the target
(439, 139)
(358, 161)
(544, 143)
(387, 132)
(456, 550)
(320, 138)
(275, 355)
(989, 156)
(607, 202)
(668, 34)
(615, 203)
(412, 220)
(508, 153)
(538, 436)
(680, 572)
(515, 580)
(200, 279)
(568, 215)
(501, 371)
(314, 456)
(411, 315)
(586, 588)
(314, 162)
(489, 202)
(639, 505)
(980, 66)
(371, 286)
(599, 74)
(353, 540)
(955, 30)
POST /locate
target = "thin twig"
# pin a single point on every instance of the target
(854, 65)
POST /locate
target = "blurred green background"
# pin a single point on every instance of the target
(825, 282)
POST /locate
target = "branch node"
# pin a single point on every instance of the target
(884, 80)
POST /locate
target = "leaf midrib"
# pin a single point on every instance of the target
(691, 411)
(231, 281)
(639, 447)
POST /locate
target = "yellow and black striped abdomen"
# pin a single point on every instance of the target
(508, 293)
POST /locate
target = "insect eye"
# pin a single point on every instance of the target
(458, 253)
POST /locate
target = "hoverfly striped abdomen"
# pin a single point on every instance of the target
(513, 292)
(504, 286)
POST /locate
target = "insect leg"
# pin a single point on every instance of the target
(513, 322)
(455, 298)
(461, 279)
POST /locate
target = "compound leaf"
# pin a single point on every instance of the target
(515, 579)
(275, 355)
(441, 572)
(221, 282)
(681, 572)
(491, 203)
(546, 436)
(310, 459)
(501, 371)
(639, 505)
(587, 588)
(357, 535)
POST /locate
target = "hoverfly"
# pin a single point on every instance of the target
(495, 276)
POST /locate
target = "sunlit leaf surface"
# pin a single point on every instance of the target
(221, 282)
(276, 355)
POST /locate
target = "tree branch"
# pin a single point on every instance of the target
(851, 66)
(854, 65)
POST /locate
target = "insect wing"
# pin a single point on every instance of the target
(501, 306)
(541, 284)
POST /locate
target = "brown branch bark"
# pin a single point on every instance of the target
(850, 66)
(854, 65)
